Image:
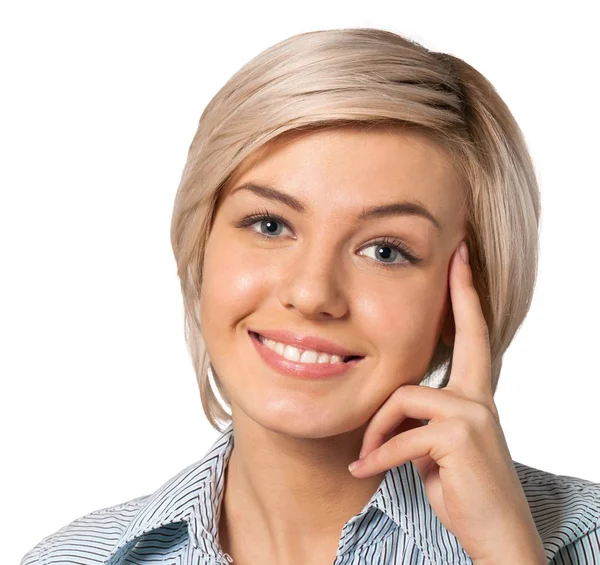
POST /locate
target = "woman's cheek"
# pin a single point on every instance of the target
(429, 310)
(407, 327)
(231, 271)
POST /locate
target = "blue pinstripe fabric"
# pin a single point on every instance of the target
(176, 525)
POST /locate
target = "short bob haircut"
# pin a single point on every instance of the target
(368, 77)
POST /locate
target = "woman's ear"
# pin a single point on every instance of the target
(449, 329)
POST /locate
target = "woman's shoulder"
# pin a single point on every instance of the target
(155, 521)
(565, 509)
(89, 537)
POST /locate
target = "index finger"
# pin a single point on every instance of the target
(471, 358)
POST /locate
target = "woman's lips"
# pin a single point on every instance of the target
(303, 370)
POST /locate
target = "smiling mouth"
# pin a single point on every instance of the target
(345, 359)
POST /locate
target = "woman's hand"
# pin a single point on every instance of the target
(461, 453)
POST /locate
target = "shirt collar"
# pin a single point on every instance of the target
(182, 499)
(193, 497)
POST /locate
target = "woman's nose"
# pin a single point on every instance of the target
(315, 284)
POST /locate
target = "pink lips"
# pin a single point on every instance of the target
(303, 341)
(304, 370)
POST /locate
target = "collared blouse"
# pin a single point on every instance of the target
(178, 524)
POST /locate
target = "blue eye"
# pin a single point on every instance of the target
(270, 221)
(397, 247)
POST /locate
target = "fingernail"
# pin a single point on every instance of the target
(354, 466)
(464, 252)
(361, 454)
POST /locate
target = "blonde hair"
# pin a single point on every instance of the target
(367, 77)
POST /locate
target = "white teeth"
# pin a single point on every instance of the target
(309, 357)
(300, 355)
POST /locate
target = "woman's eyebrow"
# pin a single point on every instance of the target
(401, 208)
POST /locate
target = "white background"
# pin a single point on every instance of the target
(100, 101)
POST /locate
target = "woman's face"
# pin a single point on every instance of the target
(321, 272)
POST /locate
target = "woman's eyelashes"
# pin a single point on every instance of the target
(381, 245)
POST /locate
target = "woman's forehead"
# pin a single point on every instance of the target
(356, 166)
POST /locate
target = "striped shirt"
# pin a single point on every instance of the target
(176, 525)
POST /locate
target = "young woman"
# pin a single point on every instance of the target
(357, 214)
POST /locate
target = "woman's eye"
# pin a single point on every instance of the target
(391, 254)
(389, 251)
(271, 226)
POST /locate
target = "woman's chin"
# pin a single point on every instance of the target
(302, 423)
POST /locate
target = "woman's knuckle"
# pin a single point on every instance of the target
(460, 431)
(482, 416)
